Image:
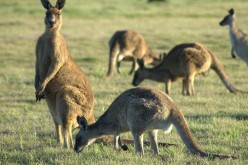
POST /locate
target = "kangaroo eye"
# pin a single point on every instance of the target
(58, 15)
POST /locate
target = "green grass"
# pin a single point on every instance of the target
(218, 119)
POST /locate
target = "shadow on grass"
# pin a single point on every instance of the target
(29, 101)
(86, 59)
(219, 115)
(241, 116)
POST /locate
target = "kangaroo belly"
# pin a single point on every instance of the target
(51, 102)
(69, 75)
(242, 51)
(69, 103)
(168, 129)
(165, 126)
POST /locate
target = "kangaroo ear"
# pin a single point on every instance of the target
(231, 11)
(46, 4)
(60, 4)
(141, 63)
(162, 56)
(83, 124)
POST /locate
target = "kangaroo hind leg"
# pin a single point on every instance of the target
(67, 133)
(51, 102)
(66, 113)
(153, 136)
(60, 138)
(184, 86)
(119, 144)
(134, 65)
(138, 143)
(190, 84)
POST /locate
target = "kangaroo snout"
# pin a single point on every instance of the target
(134, 83)
(52, 22)
(77, 149)
(221, 23)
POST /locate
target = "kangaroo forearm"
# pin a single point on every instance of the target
(53, 69)
(36, 81)
(37, 77)
(232, 53)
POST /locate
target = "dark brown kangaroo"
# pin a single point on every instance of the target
(184, 61)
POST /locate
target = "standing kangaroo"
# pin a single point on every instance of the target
(238, 39)
(184, 62)
(59, 79)
(139, 110)
(129, 46)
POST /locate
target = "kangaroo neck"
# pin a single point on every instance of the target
(53, 33)
(233, 31)
(103, 126)
(95, 130)
(55, 38)
(155, 74)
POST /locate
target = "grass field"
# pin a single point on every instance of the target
(217, 118)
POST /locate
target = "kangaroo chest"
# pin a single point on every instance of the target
(49, 52)
(231, 37)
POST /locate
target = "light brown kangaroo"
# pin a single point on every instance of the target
(59, 79)
(238, 39)
(184, 62)
(140, 110)
(128, 45)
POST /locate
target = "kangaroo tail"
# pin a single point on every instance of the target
(183, 129)
(113, 52)
(219, 69)
(112, 64)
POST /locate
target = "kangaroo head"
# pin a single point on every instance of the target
(138, 75)
(53, 18)
(228, 19)
(150, 58)
(82, 139)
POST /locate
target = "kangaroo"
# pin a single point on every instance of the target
(59, 79)
(140, 110)
(238, 39)
(184, 61)
(128, 45)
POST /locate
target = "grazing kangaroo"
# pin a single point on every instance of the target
(140, 110)
(59, 79)
(184, 62)
(238, 39)
(129, 46)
